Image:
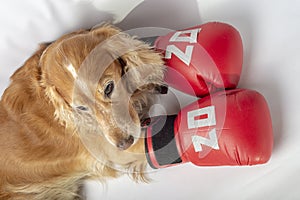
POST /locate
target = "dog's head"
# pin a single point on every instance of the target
(101, 80)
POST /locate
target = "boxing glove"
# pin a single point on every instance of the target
(202, 59)
(230, 127)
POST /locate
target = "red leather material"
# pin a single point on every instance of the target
(202, 59)
(243, 130)
(232, 127)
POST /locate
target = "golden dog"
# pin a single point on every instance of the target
(72, 112)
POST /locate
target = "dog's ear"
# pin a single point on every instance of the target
(30, 64)
(24, 82)
(144, 69)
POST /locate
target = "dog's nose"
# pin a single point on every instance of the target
(125, 143)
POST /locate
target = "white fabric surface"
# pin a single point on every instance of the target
(270, 30)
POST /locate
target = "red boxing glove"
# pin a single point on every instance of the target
(231, 127)
(202, 59)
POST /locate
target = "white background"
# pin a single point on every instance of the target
(270, 30)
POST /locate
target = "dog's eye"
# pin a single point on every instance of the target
(83, 108)
(109, 89)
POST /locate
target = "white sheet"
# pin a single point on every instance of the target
(270, 31)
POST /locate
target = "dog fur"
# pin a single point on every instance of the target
(62, 123)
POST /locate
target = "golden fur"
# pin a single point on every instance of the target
(59, 123)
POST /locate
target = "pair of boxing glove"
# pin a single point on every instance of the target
(227, 126)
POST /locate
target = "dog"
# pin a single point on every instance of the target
(73, 111)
